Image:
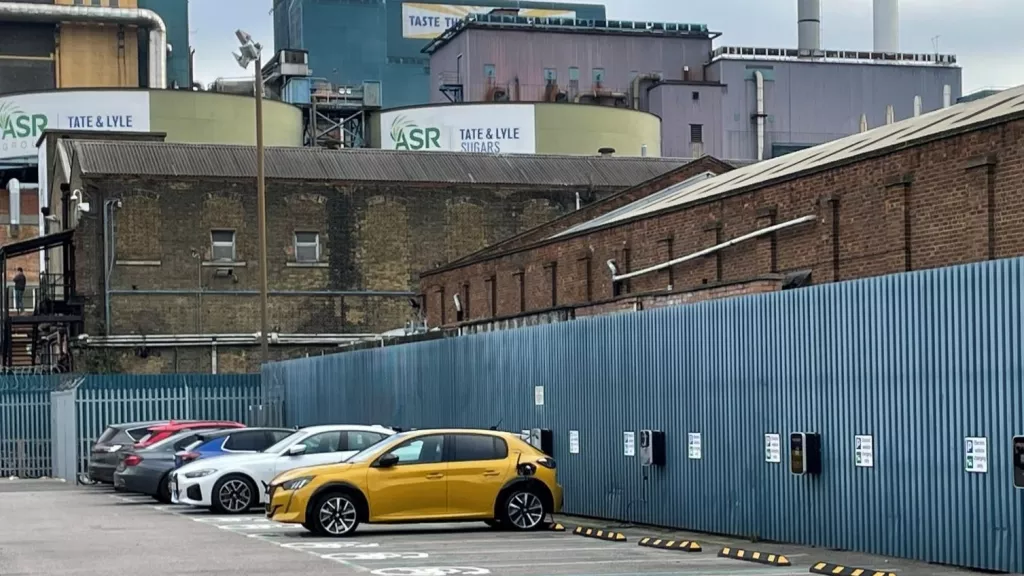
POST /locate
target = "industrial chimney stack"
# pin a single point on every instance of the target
(887, 26)
(808, 22)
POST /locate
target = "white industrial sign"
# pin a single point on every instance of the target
(24, 117)
(574, 441)
(538, 395)
(693, 446)
(488, 128)
(628, 443)
(864, 451)
(976, 454)
(428, 21)
(772, 448)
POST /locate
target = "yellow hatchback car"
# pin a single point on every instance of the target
(449, 475)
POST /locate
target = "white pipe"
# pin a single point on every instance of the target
(947, 96)
(917, 106)
(863, 123)
(886, 15)
(16, 11)
(636, 87)
(579, 201)
(213, 359)
(14, 200)
(42, 180)
(759, 79)
(890, 114)
(715, 248)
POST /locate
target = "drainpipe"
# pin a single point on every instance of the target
(759, 79)
(863, 123)
(917, 106)
(620, 277)
(890, 114)
(108, 258)
(49, 13)
(947, 96)
(636, 87)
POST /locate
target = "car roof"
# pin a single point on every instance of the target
(179, 424)
(228, 431)
(349, 427)
(486, 431)
(127, 425)
(173, 438)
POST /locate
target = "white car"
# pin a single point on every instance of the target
(234, 483)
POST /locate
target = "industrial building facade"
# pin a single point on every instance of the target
(347, 233)
(353, 42)
(731, 102)
(928, 192)
(43, 50)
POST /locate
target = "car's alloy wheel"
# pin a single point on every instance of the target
(235, 495)
(337, 515)
(525, 511)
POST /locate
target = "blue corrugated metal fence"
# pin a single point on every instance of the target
(27, 414)
(918, 361)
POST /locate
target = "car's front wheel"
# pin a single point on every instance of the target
(233, 494)
(523, 510)
(335, 514)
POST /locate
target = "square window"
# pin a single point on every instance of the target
(574, 74)
(223, 245)
(696, 96)
(307, 247)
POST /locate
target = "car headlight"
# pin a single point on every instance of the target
(198, 473)
(296, 483)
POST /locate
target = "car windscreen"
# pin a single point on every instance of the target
(285, 442)
(369, 452)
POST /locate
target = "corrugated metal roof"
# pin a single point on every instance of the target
(958, 117)
(628, 210)
(225, 161)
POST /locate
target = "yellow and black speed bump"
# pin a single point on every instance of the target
(600, 534)
(666, 544)
(751, 556)
(556, 527)
(839, 570)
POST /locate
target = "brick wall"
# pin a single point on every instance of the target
(602, 206)
(942, 203)
(374, 239)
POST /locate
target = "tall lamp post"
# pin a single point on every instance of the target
(250, 52)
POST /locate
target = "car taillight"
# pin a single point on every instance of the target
(189, 456)
(547, 462)
(132, 460)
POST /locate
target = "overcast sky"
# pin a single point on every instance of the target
(985, 35)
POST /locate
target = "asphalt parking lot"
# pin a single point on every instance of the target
(49, 529)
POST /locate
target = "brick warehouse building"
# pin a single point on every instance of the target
(941, 189)
(347, 233)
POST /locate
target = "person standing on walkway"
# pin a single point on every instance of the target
(19, 291)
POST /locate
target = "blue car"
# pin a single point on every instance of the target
(230, 441)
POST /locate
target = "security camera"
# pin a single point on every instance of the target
(83, 206)
(118, 203)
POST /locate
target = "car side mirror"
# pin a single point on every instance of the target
(297, 450)
(387, 461)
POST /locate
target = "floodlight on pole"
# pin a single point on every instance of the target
(247, 54)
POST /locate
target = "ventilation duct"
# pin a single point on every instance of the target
(808, 22)
(886, 15)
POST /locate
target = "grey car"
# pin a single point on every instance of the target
(147, 470)
(106, 452)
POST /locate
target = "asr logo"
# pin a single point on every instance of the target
(408, 136)
(14, 123)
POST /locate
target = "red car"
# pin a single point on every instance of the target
(158, 433)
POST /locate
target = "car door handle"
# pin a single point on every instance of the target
(492, 473)
(435, 476)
